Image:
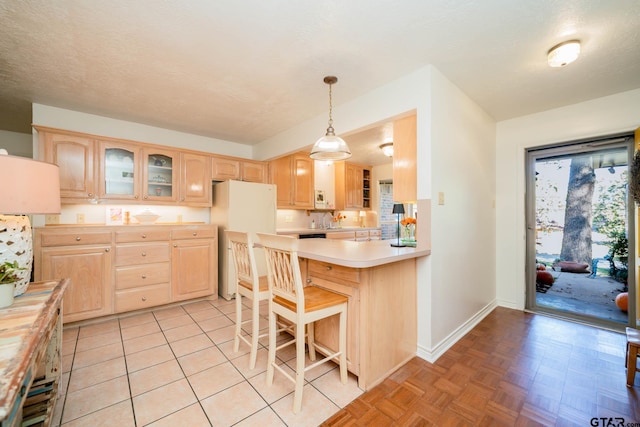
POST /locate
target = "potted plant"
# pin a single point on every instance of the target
(8, 277)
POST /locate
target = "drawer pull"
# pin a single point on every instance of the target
(90, 194)
(107, 249)
(175, 245)
(329, 268)
(144, 254)
(144, 298)
(78, 238)
(309, 280)
(195, 233)
(144, 236)
(144, 276)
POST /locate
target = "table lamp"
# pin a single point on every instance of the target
(28, 187)
(398, 208)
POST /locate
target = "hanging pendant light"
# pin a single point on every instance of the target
(330, 146)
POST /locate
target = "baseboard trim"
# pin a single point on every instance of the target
(444, 345)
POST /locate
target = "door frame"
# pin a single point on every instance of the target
(621, 140)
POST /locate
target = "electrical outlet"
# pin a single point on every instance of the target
(52, 219)
(80, 218)
(288, 218)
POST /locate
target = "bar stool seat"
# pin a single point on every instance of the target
(301, 306)
(633, 351)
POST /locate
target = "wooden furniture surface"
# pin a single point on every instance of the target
(122, 171)
(30, 365)
(293, 177)
(224, 168)
(405, 160)
(353, 186)
(356, 235)
(633, 351)
(115, 269)
(381, 315)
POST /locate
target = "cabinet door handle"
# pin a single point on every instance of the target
(309, 280)
(145, 197)
(144, 298)
(144, 236)
(175, 245)
(107, 250)
(195, 233)
(90, 194)
(135, 197)
(329, 268)
(144, 276)
(78, 238)
(144, 254)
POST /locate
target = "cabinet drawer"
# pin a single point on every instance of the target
(342, 235)
(142, 275)
(138, 298)
(194, 233)
(361, 234)
(142, 235)
(69, 239)
(333, 272)
(375, 233)
(142, 254)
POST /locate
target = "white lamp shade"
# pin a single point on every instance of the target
(330, 147)
(29, 186)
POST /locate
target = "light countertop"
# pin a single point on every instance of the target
(356, 254)
(302, 230)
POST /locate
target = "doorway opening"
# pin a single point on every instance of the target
(579, 218)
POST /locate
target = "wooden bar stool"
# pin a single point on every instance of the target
(633, 351)
(250, 286)
(302, 306)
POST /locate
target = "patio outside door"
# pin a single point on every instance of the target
(580, 248)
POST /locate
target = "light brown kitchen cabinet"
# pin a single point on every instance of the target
(115, 269)
(160, 174)
(85, 257)
(352, 185)
(223, 168)
(142, 268)
(293, 176)
(194, 262)
(195, 179)
(75, 156)
(119, 171)
(404, 160)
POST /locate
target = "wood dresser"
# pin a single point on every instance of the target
(30, 364)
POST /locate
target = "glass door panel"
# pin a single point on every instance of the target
(119, 173)
(160, 175)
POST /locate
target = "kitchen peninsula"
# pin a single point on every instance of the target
(381, 284)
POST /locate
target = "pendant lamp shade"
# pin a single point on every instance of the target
(330, 146)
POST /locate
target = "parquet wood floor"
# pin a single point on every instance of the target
(513, 369)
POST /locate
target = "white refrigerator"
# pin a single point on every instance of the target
(241, 206)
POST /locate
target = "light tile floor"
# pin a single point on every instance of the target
(176, 367)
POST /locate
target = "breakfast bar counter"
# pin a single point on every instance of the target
(381, 285)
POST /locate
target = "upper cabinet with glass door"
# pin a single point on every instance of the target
(119, 171)
(160, 175)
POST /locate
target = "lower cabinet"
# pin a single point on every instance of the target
(88, 267)
(192, 272)
(124, 268)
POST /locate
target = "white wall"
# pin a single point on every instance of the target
(44, 115)
(17, 144)
(602, 116)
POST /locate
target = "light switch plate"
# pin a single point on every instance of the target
(52, 219)
(441, 198)
(80, 218)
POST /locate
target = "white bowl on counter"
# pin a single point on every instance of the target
(146, 217)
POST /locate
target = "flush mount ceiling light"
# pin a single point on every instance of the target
(563, 53)
(330, 146)
(387, 149)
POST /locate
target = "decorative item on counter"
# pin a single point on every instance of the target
(127, 217)
(409, 224)
(115, 216)
(398, 209)
(338, 219)
(147, 216)
(8, 279)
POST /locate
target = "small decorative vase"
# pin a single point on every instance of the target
(6, 294)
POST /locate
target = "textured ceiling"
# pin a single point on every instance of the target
(246, 70)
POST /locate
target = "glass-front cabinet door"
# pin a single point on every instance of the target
(119, 171)
(160, 174)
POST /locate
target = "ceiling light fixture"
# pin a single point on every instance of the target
(387, 149)
(330, 146)
(563, 53)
